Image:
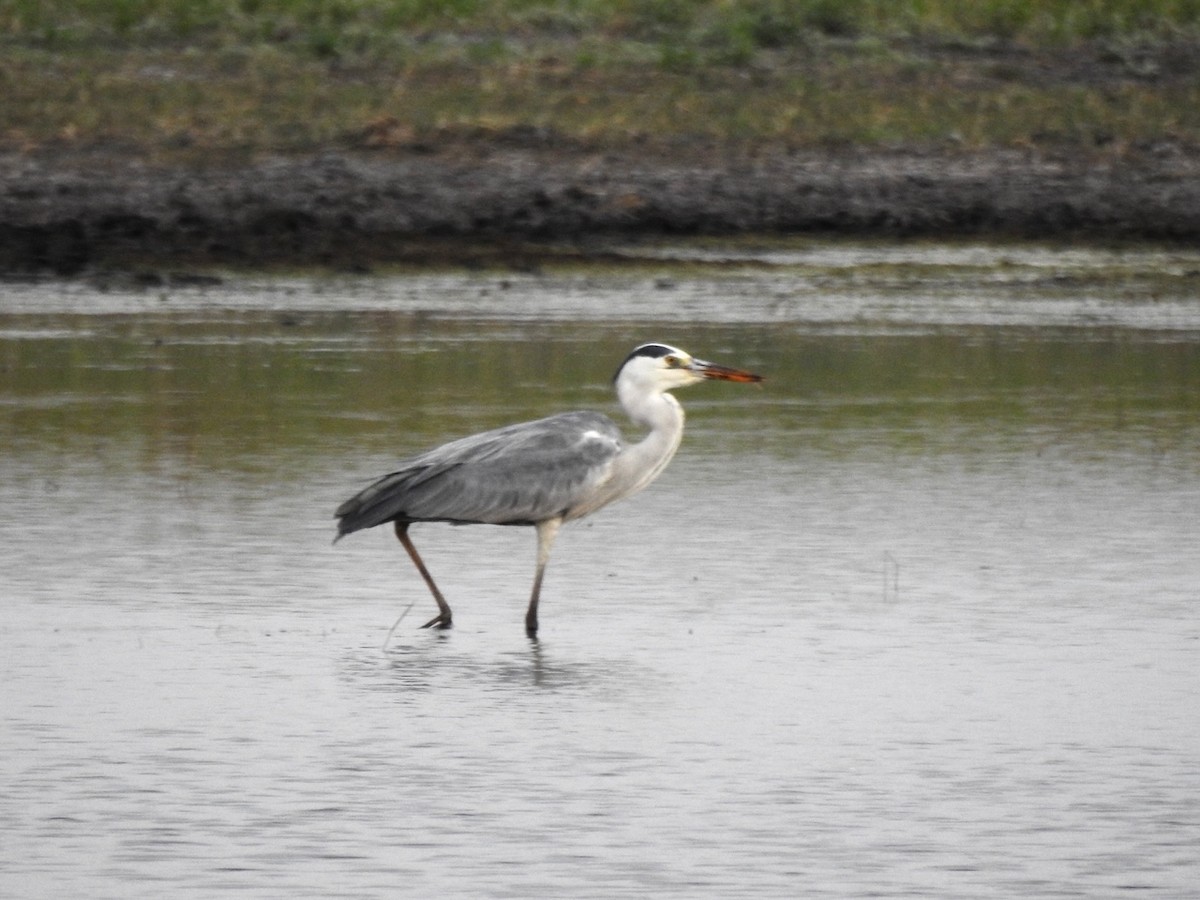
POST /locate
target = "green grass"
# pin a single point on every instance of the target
(385, 27)
(171, 77)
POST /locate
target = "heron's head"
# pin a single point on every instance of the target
(654, 368)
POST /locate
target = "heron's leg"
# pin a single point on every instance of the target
(442, 619)
(546, 533)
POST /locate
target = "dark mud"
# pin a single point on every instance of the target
(496, 199)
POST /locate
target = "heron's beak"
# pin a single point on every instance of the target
(723, 373)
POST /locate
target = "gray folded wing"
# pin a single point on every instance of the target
(516, 475)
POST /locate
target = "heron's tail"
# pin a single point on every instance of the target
(379, 502)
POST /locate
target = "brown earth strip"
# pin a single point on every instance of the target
(73, 213)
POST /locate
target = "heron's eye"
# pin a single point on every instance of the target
(672, 361)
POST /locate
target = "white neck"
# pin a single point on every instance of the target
(638, 464)
(642, 462)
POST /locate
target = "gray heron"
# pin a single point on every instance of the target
(541, 473)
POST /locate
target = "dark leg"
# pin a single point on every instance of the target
(442, 619)
(546, 532)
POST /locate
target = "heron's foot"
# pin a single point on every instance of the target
(441, 620)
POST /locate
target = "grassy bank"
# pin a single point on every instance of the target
(384, 28)
(192, 78)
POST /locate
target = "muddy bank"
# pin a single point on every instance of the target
(69, 214)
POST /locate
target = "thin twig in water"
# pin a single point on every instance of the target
(394, 624)
(891, 577)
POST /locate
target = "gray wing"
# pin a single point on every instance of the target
(516, 475)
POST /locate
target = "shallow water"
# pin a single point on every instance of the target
(916, 619)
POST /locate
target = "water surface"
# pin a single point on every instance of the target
(916, 619)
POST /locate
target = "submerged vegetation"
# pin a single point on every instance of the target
(167, 78)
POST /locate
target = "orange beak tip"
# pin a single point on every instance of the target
(724, 373)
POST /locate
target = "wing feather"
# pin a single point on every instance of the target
(516, 475)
